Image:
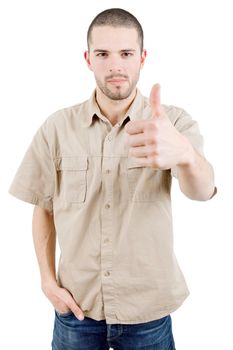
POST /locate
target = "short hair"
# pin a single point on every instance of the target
(116, 17)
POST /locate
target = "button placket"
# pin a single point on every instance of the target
(107, 226)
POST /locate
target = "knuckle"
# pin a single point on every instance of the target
(70, 304)
(152, 125)
(151, 138)
(76, 308)
(157, 162)
(150, 151)
(156, 148)
(151, 122)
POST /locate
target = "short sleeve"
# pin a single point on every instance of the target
(34, 179)
(189, 128)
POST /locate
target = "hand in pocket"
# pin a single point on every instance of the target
(62, 300)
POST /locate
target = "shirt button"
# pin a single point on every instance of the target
(109, 138)
(107, 206)
(107, 273)
(108, 171)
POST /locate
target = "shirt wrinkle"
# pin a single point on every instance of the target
(112, 215)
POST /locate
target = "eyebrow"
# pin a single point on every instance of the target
(125, 50)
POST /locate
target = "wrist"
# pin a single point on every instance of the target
(187, 158)
(48, 284)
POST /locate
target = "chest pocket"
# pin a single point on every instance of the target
(72, 178)
(144, 182)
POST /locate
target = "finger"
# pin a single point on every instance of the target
(136, 140)
(135, 127)
(143, 161)
(61, 307)
(75, 309)
(70, 302)
(155, 101)
(141, 151)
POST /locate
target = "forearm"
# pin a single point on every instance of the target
(196, 177)
(44, 238)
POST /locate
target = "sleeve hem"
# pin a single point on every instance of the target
(32, 198)
(174, 172)
(214, 193)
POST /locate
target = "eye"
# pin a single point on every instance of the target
(127, 54)
(102, 54)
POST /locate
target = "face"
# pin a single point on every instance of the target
(116, 60)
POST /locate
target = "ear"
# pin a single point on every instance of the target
(87, 59)
(143, 57)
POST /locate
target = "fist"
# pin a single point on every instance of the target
(155, 142)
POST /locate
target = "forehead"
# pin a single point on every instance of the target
(114, 38)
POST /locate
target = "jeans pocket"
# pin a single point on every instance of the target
(64, 314)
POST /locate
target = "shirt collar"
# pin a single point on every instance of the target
(91, 109)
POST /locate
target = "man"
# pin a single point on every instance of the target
(99, 174)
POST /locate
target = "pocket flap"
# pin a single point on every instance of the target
(72, 163)
(133, 163)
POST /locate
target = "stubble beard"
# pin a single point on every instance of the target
(119, 93)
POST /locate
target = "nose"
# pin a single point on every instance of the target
(115, 65)
(114, 69)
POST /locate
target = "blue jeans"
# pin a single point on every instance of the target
(71, 334)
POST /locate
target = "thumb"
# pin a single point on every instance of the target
(77, 311)
(155, 103)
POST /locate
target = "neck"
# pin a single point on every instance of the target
(111, 109)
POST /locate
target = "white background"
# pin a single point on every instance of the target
(189, 47)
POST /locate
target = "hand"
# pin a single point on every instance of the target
(156, 142)
(62, 300)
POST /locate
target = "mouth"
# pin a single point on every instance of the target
(116, 81)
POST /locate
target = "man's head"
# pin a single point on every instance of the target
(115, 52)
(116, 17)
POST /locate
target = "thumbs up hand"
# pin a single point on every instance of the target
(156, 142)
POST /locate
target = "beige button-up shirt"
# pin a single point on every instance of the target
(112, 215)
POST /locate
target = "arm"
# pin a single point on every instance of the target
(44, 238)
(196, 177)
(157, 143)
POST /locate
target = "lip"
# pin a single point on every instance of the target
(116, 81)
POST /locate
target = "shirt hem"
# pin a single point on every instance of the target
(151, 317)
